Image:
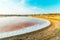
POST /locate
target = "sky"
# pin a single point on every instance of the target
(29, 6)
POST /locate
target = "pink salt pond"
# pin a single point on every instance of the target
(12, 26)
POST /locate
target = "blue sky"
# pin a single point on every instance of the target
(29, 6)
(42, 3)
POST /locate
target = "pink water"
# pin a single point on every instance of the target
(17, 26)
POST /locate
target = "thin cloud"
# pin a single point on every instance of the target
(19, 7)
